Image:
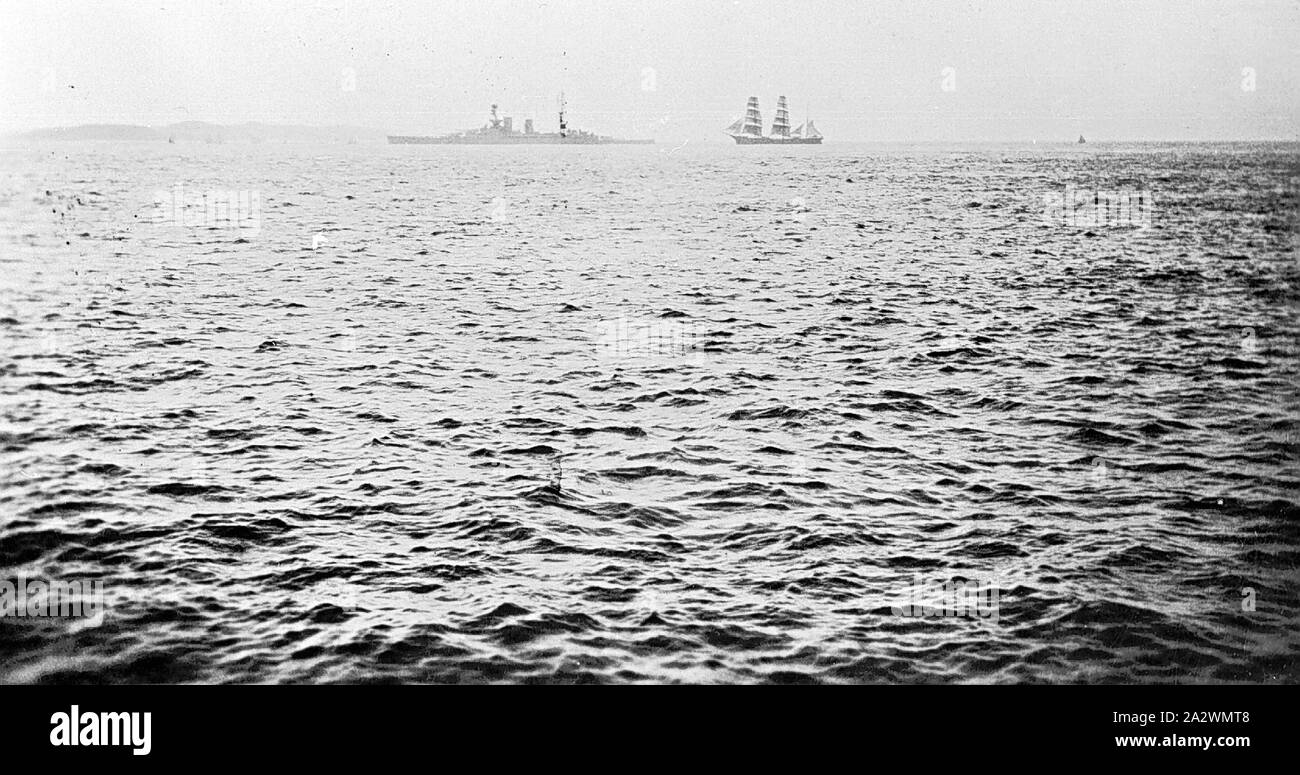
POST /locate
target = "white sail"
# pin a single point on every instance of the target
(781, 124)
(753, 119)
(748, 130)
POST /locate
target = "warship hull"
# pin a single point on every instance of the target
(500, 130)
(519, 139)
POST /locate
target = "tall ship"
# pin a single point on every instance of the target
(748, 130)
(500, 130)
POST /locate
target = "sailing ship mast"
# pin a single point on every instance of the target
(753, 119)
(806, 130)
(564, 128)
(749, 129)
(781, 124)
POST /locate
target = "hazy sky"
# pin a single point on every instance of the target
(668, 69)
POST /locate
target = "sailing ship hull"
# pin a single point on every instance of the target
(749, 129)
(743, 140)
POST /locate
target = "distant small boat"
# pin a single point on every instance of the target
(1081, 140)
(171, 140)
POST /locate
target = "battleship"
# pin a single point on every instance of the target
(748, 130)
(500, 130)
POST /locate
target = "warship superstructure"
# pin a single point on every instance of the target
(500, 130)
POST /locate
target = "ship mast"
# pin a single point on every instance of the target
(781, 124)
(753, 119)
(564, 128)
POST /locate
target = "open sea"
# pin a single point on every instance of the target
(695, 413)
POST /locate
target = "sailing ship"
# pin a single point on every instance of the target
(748, 130)
(500, 130)
(1081, 140)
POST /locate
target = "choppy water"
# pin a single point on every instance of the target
(647, 414)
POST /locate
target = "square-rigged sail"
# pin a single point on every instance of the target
(753, 119)
(749, 130)
(781, 124)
